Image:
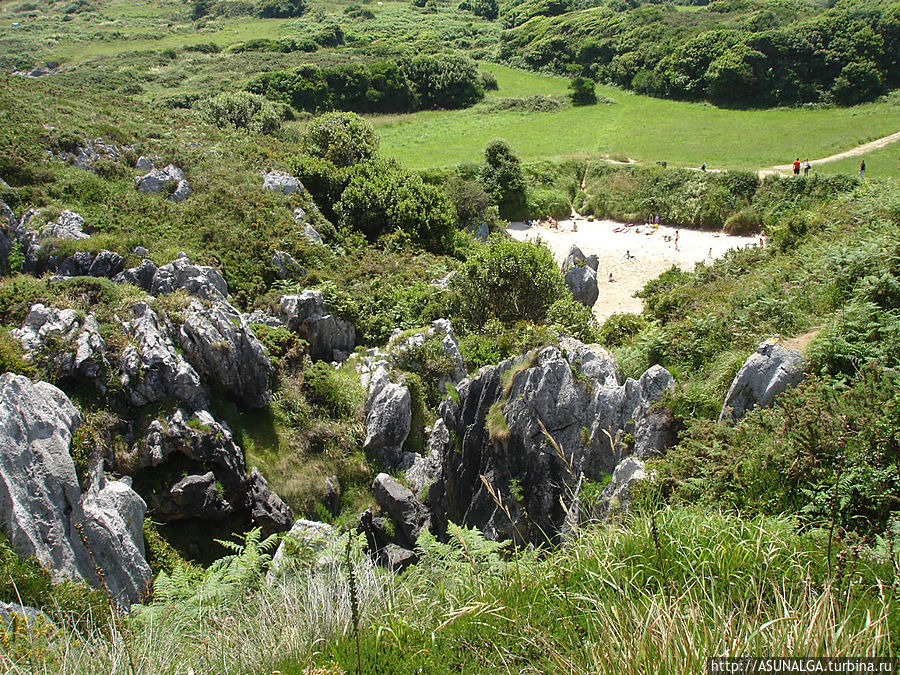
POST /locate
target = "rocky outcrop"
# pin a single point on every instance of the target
(144, 164)
(218, 487)
(770, 371)
(170, 180)
(219, 344)
(403, 351)
(86, 156)
(506, 476)
(388, 419)
(308, 541)
(198, 280)
(141, 276)
(312, 234)
(616, 496)
(85, 264)
(279, 181)
(581, 278)
(69, 225)
(329, 338)
(74, 346)
(421, 471)
(152, 369)
(287, 266)
(42, 509)
(400, 504)
(482, 232)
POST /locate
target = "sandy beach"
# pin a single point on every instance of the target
(651, 254)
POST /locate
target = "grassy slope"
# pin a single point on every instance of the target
(646, 129)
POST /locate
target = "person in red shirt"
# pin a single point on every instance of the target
(797, 167)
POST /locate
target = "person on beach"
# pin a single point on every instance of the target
(797, 167)
(611, 278)
(676, 240)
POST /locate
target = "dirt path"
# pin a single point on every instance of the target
(852, 152)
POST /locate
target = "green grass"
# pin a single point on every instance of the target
(646, 129)
(883, 163)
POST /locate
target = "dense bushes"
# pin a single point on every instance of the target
(242, 111)
(420, 83)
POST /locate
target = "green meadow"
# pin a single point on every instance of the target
(638, 127)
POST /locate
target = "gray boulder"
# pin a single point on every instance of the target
(85, 264)
(170, 179)
(141, 276)
(770, 371)
(329, 338)
(401, 505)
(616, 496)
(422, 472)
(388, 419)
(69, 225)
(312, 234)
(286, 265)
(42, 510)
(144, 164)
(307, 542)
(261, 317)
(198, 280)
(13, 616)
(86, 156)
(219, 344)
(193, 497)
(502, 455)
(8, 223)
(266, 509)
(281, 182)
(78, 349)
(582, 283)
(576, 256)
(152, 369)
(482, 232)
(299, 214)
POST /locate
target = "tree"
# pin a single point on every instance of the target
(280, 9)
(857, 83)
(510, 281)
(344, 139)
(581, 91)
(502, 178)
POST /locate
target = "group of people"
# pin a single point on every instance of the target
(551, 222)
(805, 165)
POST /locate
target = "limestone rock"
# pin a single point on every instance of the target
(41, 507)
(84, 264)
(312, 234)
(482, 232)
(409, 515)
(219, 344)
(194, 497)
(69, 225)
(582, 283)
(78, 348)
(329, 338)
(12, 612)
(281, 182)
(388, 418)
(204, 282)
(770, 371)
(152, 369)
(308, 541)
(8, 224)
(144, 164)
(423, 471)
(170, 179)
(591, 415)
(441, 328)
(141, 276)
(267, 510)
(286, 265)
(616, 496)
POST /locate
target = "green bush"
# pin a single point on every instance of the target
(241, 110)
(280, 9)
(510, 281)
(573, 318)
(502, 178)
(620, 328)
(344, 139)
(582, 92)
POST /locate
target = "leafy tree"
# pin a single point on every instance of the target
(858, 82)
(242, 110)
(446, 81)
(502, 178)
(344, 139)
(510, 281)
(581, 91)
(280, 9)
(382, 198)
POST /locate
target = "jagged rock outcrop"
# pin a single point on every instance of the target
(482, 232)
(581, 278)
(152, 369)
(401, 505)
(403, 350)
(198, 280)
(144, 164)
(170, 179)
(12, 613)
(75, 346)
(219, 486)
(42, 509)
(287, 266)
(86, 264)
(576, 256)
(69, 225)
(423, 471)
(770, 371)
(86, 156)
(329, 338)
(388, 418)
(312, 234)
(219, 344)
(279, 181)
(140, 276)
(592, 416)
(616, 496)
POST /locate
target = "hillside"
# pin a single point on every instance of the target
(279, 393)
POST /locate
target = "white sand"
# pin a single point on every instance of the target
(652, 254)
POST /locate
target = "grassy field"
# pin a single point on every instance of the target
(643, 128)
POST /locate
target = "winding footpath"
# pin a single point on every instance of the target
(877, 144)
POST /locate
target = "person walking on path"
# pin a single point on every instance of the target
(862, 169)
(797, 167)
(806, 167)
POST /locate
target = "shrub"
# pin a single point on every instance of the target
(744, 222)
(342, 138)
(241, 110)
(620, 328)
(510, 281)
(281, 9)
(488, 81)
(581, 91)
(573, 318)
(501, 177)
